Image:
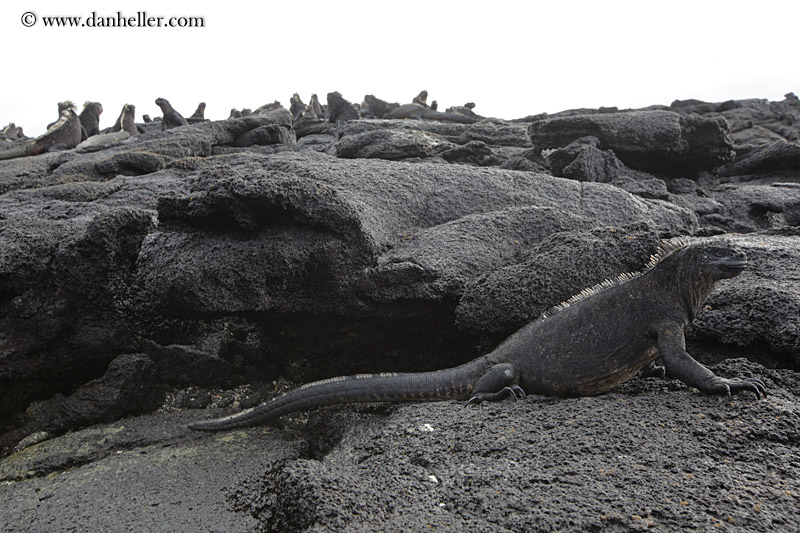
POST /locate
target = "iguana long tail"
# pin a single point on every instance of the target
(460, 382)
(19, 150)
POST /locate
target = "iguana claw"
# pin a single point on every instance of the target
(754, 385)
(511, 391)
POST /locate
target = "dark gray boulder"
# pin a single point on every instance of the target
(232, 247)
(432, 264)
(543, 464)
(582, 160)
(129, 386)
(491, 133)
(318, 142)
(746, 207)
(473, 153)
(265, 135)
(504, 299)
(756, 123)
(653, 141)
(413, 145)
(392, 144)
(485, 143)
(692, 105)
(775, 161)
(252, 243)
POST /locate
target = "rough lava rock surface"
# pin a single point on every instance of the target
(174, 268)
(655, 141)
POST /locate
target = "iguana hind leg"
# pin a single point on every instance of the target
(499, 382)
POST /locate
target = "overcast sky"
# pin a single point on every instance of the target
(511, 58)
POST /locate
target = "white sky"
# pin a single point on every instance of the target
(511, 58)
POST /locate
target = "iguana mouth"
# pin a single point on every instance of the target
(734, 265)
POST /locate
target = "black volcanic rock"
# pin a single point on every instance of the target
(661, 142)
(776, 160)
(392, 144)
(582, 160)
(129, 386)
(485, 143)
(553, 269)
(226, 253)
(492, 133)
(755, 123)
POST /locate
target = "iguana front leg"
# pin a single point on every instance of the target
(672, 348)
(499, 382)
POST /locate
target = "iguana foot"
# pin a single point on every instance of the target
(734, 385)
(499, 382)
(512, 391)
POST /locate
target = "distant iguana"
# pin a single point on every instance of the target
(170, 118)
(420, 112)
(126, 121)
(63, 134)
(90, 118)
(587, 345)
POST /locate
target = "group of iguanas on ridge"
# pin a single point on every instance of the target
(71, 129)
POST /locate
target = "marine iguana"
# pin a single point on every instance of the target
(63, 134)
(315, 105)
(171, 118)
(585, 346)
(199, 114)
(339, 109)
(90, 118)
(296, 106)
(380, 108)
(421, 99)
(12, 132)
(466, 109)
(419, 112)
(126, 121)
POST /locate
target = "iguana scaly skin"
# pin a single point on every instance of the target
(63, 134)
(588, 345)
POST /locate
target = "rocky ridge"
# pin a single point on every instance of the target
(251, 249)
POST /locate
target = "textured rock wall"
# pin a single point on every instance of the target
(174, 268)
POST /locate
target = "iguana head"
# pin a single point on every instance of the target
(720, 261)
(95, 107)
(65, 105)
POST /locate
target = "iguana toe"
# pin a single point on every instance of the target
(516, 392)
(511, 391)
(734, 385)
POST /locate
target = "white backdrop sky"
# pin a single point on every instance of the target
(512, 58)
